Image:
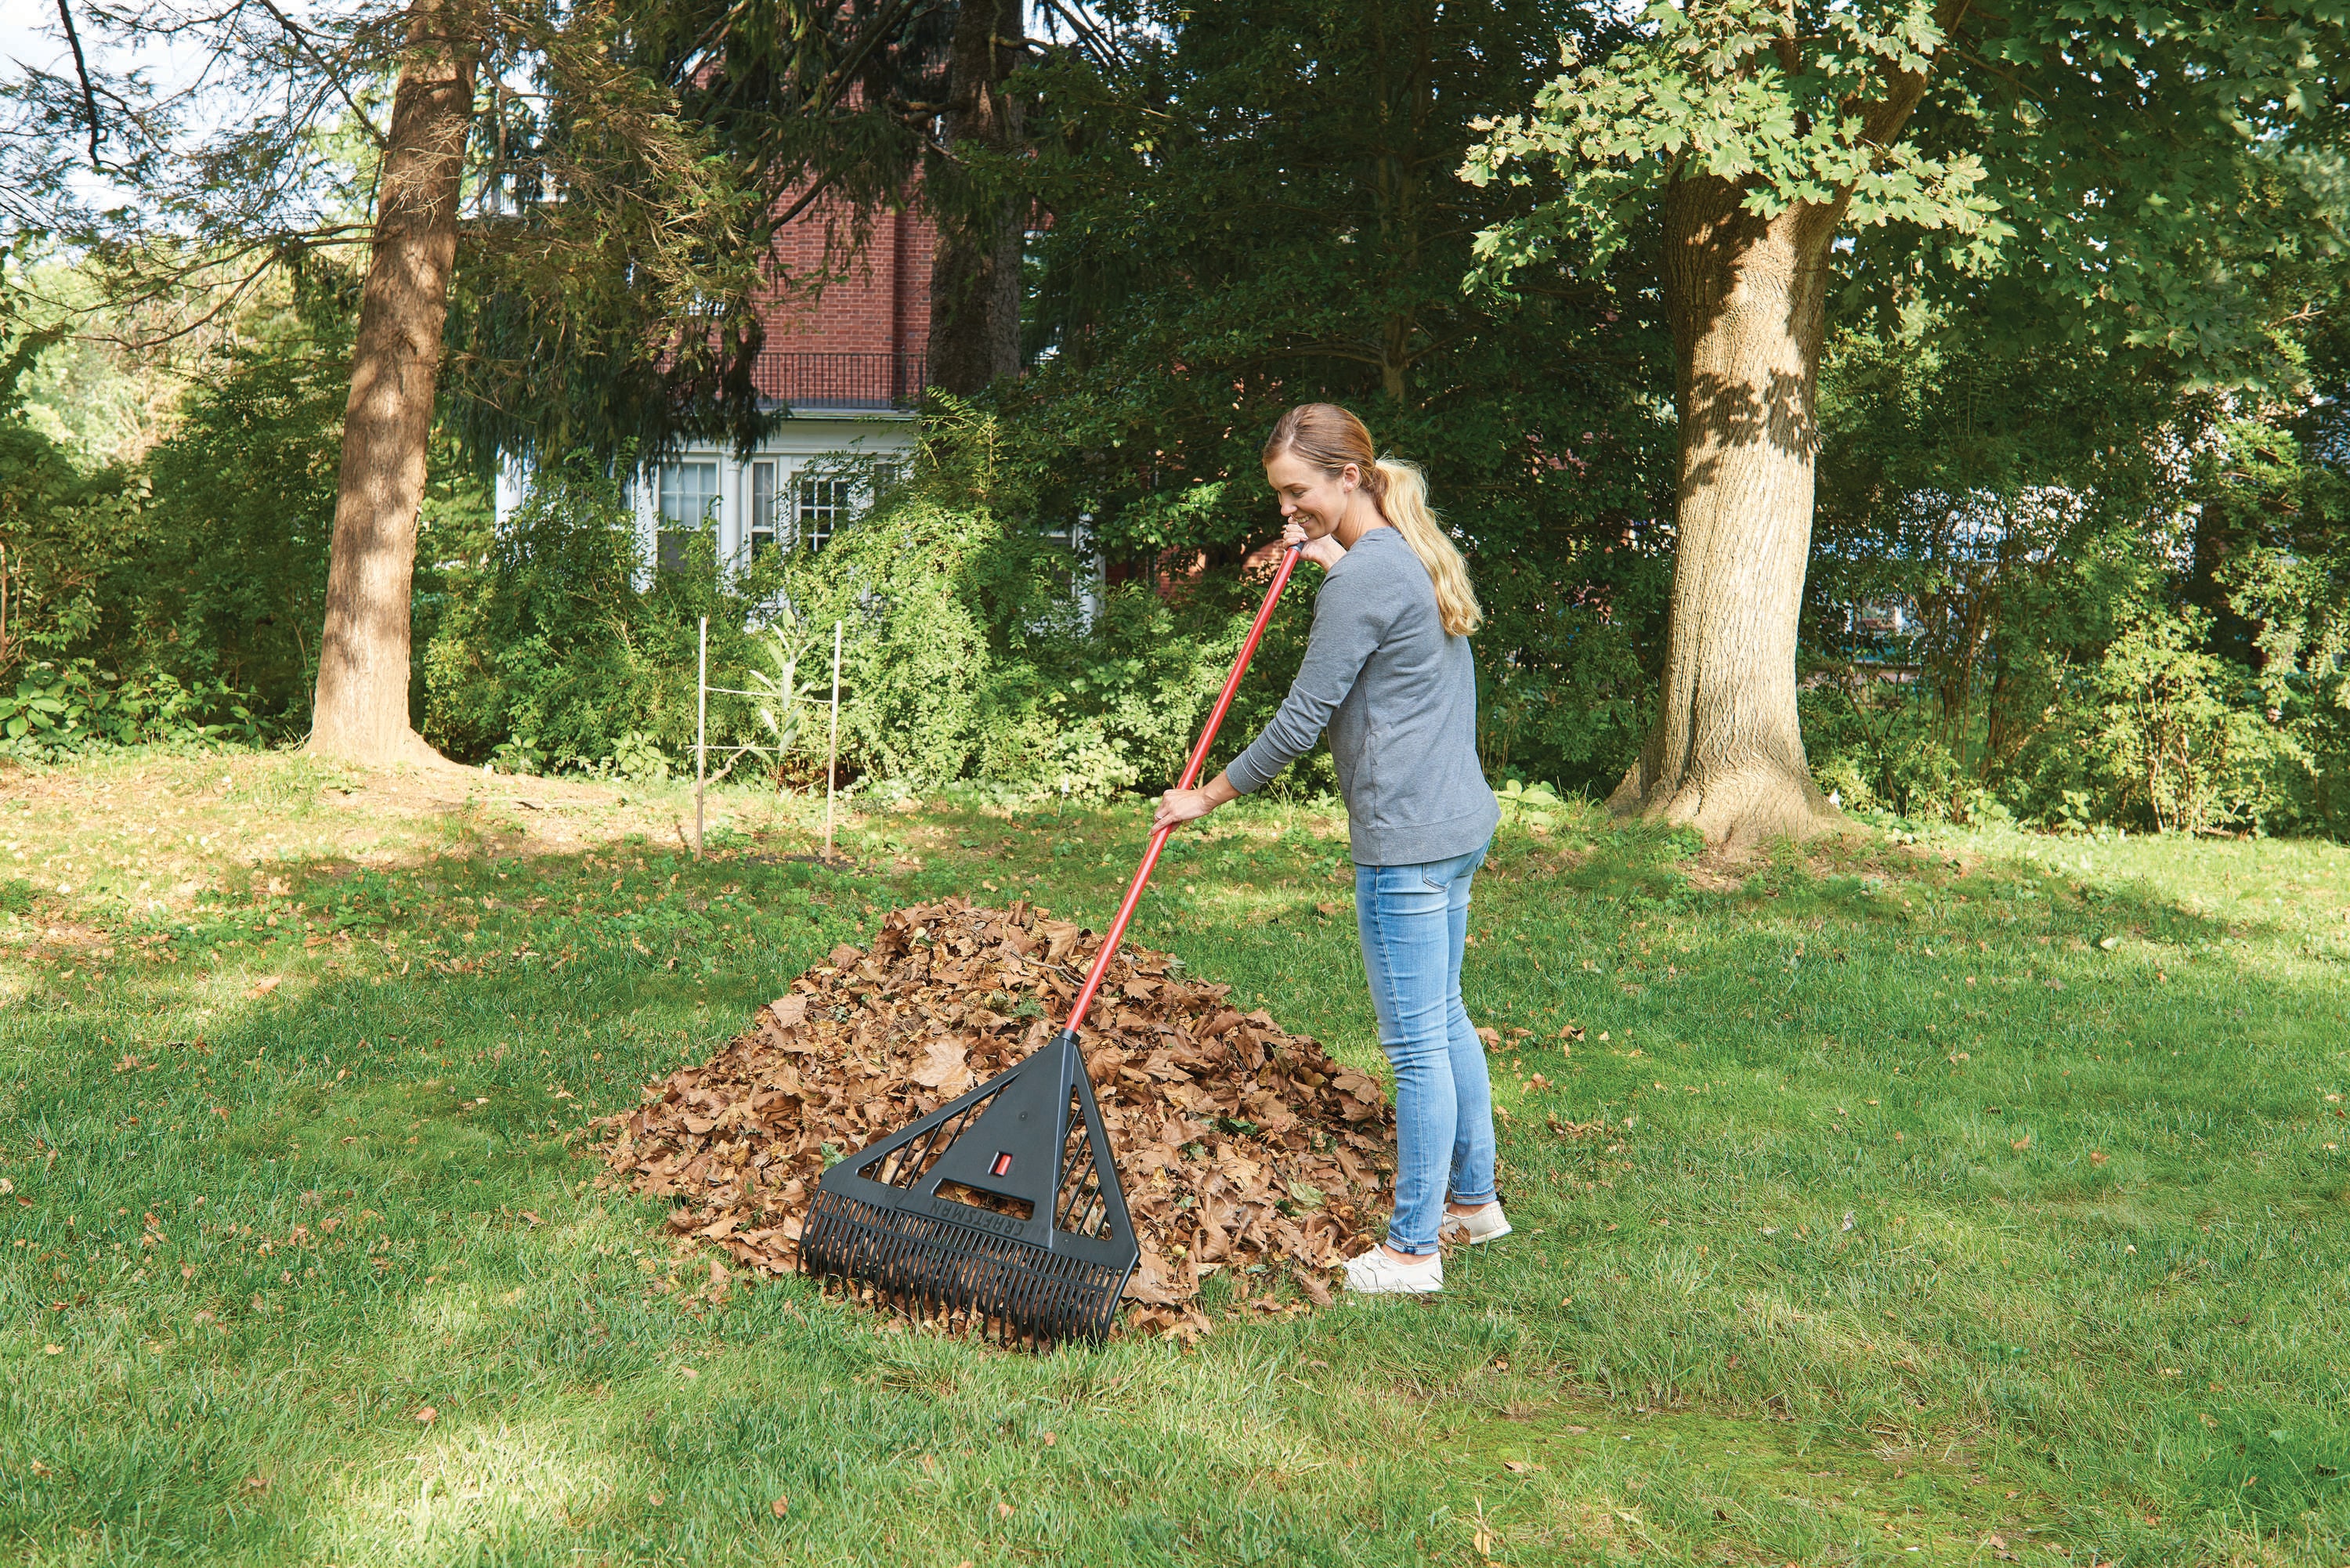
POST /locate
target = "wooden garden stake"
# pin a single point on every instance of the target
(701, 730)
(832, 753)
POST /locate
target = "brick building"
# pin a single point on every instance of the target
(846, 365)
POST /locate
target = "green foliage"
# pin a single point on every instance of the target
(915, 660)
(1724, 90)
(786, 703)
(67, 541)
(2177, 735)
(547, 650)
(58, 709)
(968, 653)
(2162, 216)
(58, 530)
(2054, 527)
(230, 582)
(1253, 209)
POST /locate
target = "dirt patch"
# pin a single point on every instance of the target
(1241, 1149)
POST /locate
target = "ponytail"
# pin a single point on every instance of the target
(1330, 437)
(1402, 495)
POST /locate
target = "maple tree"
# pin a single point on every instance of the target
(2132, 175)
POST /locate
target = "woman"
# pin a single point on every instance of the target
(1388, 670)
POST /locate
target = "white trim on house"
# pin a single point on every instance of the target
(814, 450)
(817, 449)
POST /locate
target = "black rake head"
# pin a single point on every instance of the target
(1000, 1209)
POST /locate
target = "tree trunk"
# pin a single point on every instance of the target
(360, 712)
(975, 283)
(1747, 298)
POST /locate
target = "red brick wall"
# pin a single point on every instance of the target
(879, 302)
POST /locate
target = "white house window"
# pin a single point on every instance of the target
(764, 521)
(823, 507)
(689, 498)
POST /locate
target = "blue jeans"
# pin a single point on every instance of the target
(1413, 921)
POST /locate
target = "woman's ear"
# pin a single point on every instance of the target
(1350, 477)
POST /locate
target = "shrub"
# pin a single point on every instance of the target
(61, 707)
(1883, 745)
(2178, 738)
(550, 652)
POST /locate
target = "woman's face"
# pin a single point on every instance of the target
(1310, 498)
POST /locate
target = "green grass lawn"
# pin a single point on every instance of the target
(1982, 1200)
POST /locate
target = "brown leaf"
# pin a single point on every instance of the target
(788, 1010)
(944, 1068)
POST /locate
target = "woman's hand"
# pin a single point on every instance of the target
(1322, 552)
(1178, 807)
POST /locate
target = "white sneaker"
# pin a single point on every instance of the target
(1378, 1272)
(1486, 1224)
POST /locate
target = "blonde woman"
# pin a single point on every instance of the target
(1387, 672)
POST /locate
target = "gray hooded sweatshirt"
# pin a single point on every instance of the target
(1398, 695)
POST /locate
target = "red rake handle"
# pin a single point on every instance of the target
(1191, 776)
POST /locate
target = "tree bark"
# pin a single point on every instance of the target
(1747, 300)
(975, 283)
(360, 710)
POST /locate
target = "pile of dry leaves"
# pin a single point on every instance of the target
(1238, 1144)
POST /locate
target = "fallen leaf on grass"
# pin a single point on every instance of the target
(2097, 1156)
(428, 1415)
(1482, 1538)
(780, 1507)
(264, 986)
(1519, 1466)
(2020, 1145)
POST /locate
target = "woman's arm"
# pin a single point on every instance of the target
(1347, 627)
(1346, 633)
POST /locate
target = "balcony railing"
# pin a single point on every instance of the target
(866, 381)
